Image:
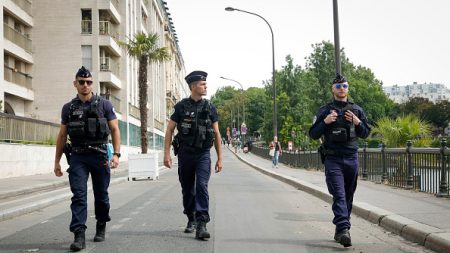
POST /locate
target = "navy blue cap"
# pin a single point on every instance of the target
(339, 79)
(197, 75)
(83, 72)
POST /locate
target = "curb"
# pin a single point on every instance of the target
(40, 187)
(428, 236)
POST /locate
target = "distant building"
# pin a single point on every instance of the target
(432, 91)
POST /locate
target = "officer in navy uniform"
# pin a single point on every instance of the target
(88, 120)
(341, 122)
(196, 120)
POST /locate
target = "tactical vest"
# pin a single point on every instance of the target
(341, 131)
(85, 126)
(195, 126)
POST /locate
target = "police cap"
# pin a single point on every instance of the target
(339, 79)
(83, 72)
(196, 76)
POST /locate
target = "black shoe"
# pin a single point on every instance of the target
(100, 232)
(190, 227)
(343, 237)
(202, 233)
(79, 242)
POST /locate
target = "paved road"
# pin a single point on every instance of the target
(251, 212)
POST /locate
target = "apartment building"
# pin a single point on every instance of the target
(432, 91)
(46, 41)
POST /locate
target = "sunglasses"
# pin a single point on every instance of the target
(82, 82)
(341, 85)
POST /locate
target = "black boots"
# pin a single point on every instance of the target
(79, 242)
(343, 237)
(100, 232)
(202, 233)
(190, 227)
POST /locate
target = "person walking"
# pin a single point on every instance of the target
(88, 120)
(196, 120)
(276, 152)
(341, 122)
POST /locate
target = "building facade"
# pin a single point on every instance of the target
(46, 41)
(432, 91)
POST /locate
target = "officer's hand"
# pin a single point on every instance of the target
(351, 117)
(218, 166)
(114, 162)
(57, 170)
(167, 161)
(331, 117)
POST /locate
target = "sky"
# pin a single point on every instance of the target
(401, 41)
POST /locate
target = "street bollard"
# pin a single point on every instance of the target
(410, 179)
(443, 186)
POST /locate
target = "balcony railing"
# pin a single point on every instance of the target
(134, 111)
(19, 78)
(107, 64)
(115, 101)
(25, 130)
(86, 26)
(16, 37)
(24, 5)
(107, 28)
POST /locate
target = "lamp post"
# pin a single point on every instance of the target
(337, 46)
(243, 105)
(273, 67)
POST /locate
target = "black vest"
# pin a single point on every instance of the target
(341, 131)
(195, 126)
(86, 127)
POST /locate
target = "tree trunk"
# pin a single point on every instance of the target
(143, 98)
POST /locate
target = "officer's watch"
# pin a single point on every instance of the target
(117, 154)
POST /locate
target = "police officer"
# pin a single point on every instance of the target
(196, 120)
(88, 120)
(341, 122)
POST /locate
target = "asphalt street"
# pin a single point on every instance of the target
(250, 212)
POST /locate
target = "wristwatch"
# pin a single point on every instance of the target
(117, 154)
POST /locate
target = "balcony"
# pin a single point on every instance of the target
(109, 37)
(17, 38)
(171, 99)
(111, 6)
(16, 77)
(134, 111)
(109, 72)
(24, 5)
(86, 26)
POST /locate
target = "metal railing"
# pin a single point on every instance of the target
(17, 77)
(17, 129)
(421, 169)
(107, 28)
(24, 5)
(16, 37)
(134, 111)
(86, 26)
(108, 64)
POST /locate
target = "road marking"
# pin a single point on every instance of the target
(124, 220)
(116, 226)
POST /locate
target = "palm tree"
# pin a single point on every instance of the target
(145, 49)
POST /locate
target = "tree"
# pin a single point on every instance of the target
(416, 105)
(145, 48)
(438, 114)
(395, 132)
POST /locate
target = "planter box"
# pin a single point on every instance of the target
(143, 166)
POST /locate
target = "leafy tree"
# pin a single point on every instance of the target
(438, 114)
(395, 132)
(416, 105)
(145, 48)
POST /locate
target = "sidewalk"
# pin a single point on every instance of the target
(419, 217)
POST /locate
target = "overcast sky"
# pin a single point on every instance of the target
(401, 41)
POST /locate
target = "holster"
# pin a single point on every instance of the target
(176, 145)
(322, 153)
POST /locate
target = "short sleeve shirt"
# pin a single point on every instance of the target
(105, 109)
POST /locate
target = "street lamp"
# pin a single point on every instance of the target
(337, 46)
(242, 90)
(273, 67)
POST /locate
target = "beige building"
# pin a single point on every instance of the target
(46, 41)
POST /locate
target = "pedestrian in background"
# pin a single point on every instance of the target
(196, 120)
(341, 122)
(276, 151)
(88, 120)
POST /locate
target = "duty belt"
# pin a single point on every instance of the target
(89, 149)
(339, 153)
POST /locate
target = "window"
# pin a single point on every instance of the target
(86, 52)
